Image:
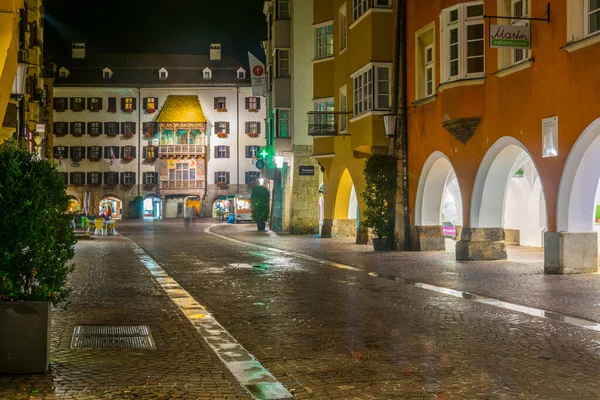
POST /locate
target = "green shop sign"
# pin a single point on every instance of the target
(510, 37)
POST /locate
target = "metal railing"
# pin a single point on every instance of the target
(324, 123)
(196, 149)
(182, 184)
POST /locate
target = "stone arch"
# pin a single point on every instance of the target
(343, 195)
(578, 184)
(437, 172)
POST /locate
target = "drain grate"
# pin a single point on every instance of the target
(112, 337)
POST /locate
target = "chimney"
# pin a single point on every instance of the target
(78, 50)
(215, 51)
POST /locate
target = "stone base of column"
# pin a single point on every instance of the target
(428, 238)
(481, 244)
(326, 228)
(363, 235)
(338, 228)
(570, 252)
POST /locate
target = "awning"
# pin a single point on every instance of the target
(181, 113)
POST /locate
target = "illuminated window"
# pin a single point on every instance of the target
(77, 103)
(283, 123)
(324, 41)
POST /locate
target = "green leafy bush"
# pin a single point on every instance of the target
(380, 174)
(36, 239)
(259, 203)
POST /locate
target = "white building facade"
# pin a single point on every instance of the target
(111, 148)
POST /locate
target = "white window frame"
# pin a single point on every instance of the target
(343, 25)
(586, 17)
(252, 103)
(207, 74)
(221, 152)
(429, 65)
(461, 24)
(365, 89)
(279, 9)
(360, 7)
(327, 107)
(525, 4)
(278, 122)
(324, 49)
(282, 55)
(343, 108)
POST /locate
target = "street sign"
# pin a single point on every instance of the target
(306, 170)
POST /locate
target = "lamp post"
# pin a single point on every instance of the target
(261, 181)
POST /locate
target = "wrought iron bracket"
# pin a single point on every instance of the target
(545, 17)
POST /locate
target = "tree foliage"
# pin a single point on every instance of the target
(259, 203)
(380, 174)
(36, 239)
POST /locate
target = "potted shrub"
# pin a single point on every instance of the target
(380, 175)
(36, 245)
(259, 204)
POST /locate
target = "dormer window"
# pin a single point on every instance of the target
(241, 73)
(63, 73)
(163, 73)
(107, 73)
(207, 73)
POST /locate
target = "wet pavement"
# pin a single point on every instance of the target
(342, 329)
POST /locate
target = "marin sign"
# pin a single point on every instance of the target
(510, 37)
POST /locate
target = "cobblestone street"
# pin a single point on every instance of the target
(324, 331)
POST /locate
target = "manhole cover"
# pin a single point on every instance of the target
(112, 337)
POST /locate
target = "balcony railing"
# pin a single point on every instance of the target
(324, 123)
(182, 184)
(194, 149)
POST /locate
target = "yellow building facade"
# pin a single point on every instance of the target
(9, 45)
(353, 73)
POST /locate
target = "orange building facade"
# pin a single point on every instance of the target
(504, 144)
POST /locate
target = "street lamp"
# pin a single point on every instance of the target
(279, 162)
(261, 181)
(390, 122)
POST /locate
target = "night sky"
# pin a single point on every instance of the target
(154, 26)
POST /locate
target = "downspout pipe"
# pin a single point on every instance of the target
(404, 122)
(140, 149)
(237, 148)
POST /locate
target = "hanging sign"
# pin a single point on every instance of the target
(510, 37)
(259, 79)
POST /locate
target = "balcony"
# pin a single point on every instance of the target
(182, 184)
(182, 149)
(324, 123)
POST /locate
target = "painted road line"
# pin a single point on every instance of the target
(536, 312)
(245, 368)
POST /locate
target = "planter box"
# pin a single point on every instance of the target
(382, 244)
(24, 337)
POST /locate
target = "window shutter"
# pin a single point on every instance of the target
(72, 175)
(134, 128)
(71, 101)
(145, 106)
(122, 103)
(226, 151)
(116, 151)
(145, 154)
(144, 176)
(89, 151)
(122, 177)
(216, 176)
(112, 102)
(134, 102)
(122, 152)
(100, 128)
(247, 177)
(247, 124)
(106, 177)
(88, 106)
(89, 127)
(133, 178)
(54, 101)
(216, 103)
(258, 127)
(122, 127)
(89, 178)
(107, 152)
(248, 152)
(66, 153)
(156, 103)
(227, 127)
(100, 103)
(247, 103)
(133, 148)
(227, 178)
(258, 103)
(100, 177)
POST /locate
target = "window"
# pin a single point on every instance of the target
(95, 128)
(111, 178)
(253, 128)
(220, 103)
(163, 74)
(128, 178)
(221, 151)
(61, 152)
(111, 128)
(222, 177)
(283, 9)
(77, 178)
(64, 176)
(241, 73)
(252, 151)
(593, 16)
(343, 109)
(150, 104)
(429, 71)
(107, 73)
(283, 123)
(252, 103)
(324, 41)
(77, 153)
(94, 178)
(94, 152)
(128, 152)
(359, 7)
(207, 74)
(369, 96)
(282, 60)
(222, 127)
(150, 152)
(150, 178)
(111, 152)
(520, 9)
(61, 128)
(327, 117)
(252, 177)
(464, 42)
(77, 104)
(128, 128)
(77, 128)
(128, 104)
(112, 104)
(343, 28)
(60, 104)
(94, 103)
(363, 92)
